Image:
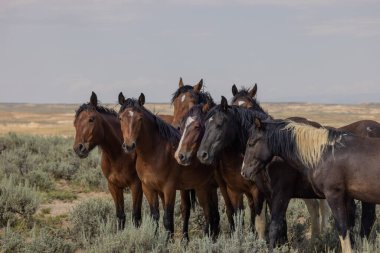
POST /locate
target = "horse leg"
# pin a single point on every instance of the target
(118, 198)
(337, 202)
(368, 219)
(257, 215)
(227, 201)
(185, 212)
(169, 203)
(215, 218)
(203, 195)
(137, 195)
(351, 211)
(278, 234)
(313, 209)
(324, 212)
(152, 198)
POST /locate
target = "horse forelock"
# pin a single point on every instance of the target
(165, 130)
(98, 108)
(244, 93)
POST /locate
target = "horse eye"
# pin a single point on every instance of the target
(91, 120)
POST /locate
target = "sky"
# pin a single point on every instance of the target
(59, 51)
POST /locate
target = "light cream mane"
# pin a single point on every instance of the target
(310, 142)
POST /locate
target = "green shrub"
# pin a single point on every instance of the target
(88, 216)
(41, 180)
(12, 242)
(49, 241)
(17, 201)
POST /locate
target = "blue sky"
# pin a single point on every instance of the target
(54, 51)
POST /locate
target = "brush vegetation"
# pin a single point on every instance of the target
(52, 201)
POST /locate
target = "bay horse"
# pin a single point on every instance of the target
(184, 99)
(340, 166)
(154, 142)
(96, 125)
(225, 135)
(295, 183)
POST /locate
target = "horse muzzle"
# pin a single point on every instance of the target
(129, 148)
(183, 158)
(82, 150)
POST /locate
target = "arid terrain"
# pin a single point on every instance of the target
(57, 119)
(56, 202)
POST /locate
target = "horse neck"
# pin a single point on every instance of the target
(112, 141)
(149, 140)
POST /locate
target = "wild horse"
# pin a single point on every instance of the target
(96, 125)
(296, 185)
(154, 142)
(340, 166)
(225, 135)
(184, 99)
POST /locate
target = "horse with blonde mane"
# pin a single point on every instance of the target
(340, 166)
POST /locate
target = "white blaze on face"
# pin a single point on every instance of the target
(242, 166)
(183, 98)
(211, 119)
(130, 113)
(241, 103)
(188, 122)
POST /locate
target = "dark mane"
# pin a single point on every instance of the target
(244, 93)
(244, 117)
(99, 108)
(165, 130)
(202, 96)
(279, 140)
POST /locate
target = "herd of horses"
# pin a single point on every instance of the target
(238, 148)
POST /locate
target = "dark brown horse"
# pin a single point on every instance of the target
(287, 183)
(184, 99)
(226, 132)
(154, 142)
(340, 166)
(98, 126)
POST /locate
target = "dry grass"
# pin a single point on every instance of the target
(57, 119)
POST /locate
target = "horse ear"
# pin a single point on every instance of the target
(253, 91)
(180, 84)
(224, 103)
(258, 123)
(121, 98)
(93, 99)
(234, 90)
(142, 99)
(197, 88)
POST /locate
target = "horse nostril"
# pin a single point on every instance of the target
(81, 147)
(181, 157)
(124, 146)
(204, 155)
(133, 145)
(243, 174)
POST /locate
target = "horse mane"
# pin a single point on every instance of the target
(244, 93)
(244, 117)
(98, 108)
(308, 143)
(202, 96)
(165, 130)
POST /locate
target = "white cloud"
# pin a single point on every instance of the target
(355, 27)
